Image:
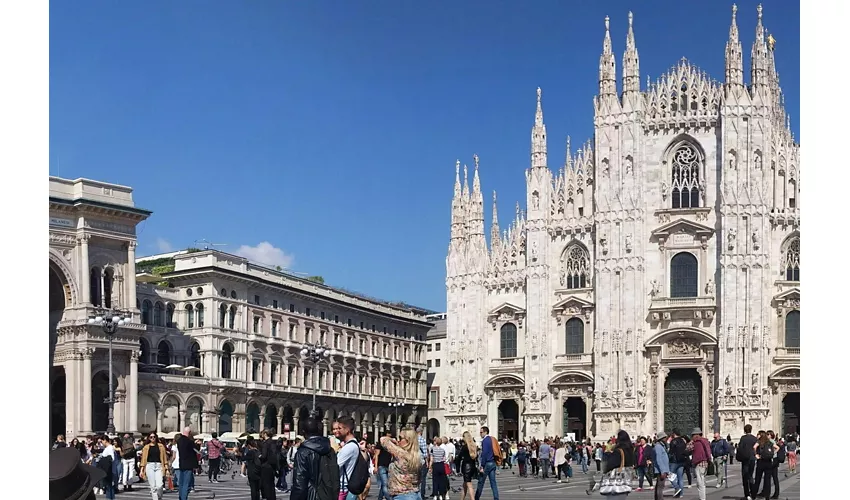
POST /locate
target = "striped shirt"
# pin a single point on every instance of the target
(438, 454)
(423, 449)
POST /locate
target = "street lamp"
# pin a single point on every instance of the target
(110, 321)
(395, 405)
(315, 353)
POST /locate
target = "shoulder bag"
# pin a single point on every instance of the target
(617, 481)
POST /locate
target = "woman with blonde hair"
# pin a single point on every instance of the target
(404, 470)
(468, 454)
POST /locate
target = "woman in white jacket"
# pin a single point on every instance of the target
(561, 460)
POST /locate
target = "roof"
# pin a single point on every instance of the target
(439, 329)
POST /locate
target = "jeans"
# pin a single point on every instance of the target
(489, 472)
(109, 489)
(383, 482)
(544, 467)
(762, 469)
(423, 476)
(643, 473)
(129, 467)
(439, 481)
(747, 469)
(774, 473)
(700, 471)
(407, 496)
(281, 480)
(184, 482)
(679, 470)
(254, 486)
(720, 470)
(584, 464)
(153, 473)
(563, 469)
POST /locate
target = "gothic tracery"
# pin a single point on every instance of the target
(686, 177)
(576, 267)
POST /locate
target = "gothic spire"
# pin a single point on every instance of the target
(457, 180)
(568, 163)
(734, 59)
(607, 65)
(631, 62)
(465, 194)
(494, 231)
(458, 207)
(476, 182)
(760, 58)
(538, 136)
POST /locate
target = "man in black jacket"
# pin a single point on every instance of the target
(305, 469)
(268, 459)
(746, 455)
(187, 462)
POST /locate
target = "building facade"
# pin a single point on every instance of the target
(652, 282)
(437, 369)
(214, 340)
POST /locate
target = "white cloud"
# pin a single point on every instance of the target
(266, 253)
(163, 245)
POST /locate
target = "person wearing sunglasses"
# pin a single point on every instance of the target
(154, 466)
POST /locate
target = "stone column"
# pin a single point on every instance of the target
(72, 396)
(133, 393)
(295, 419)
(659, 402)
(120, 410)
(706, 392)
(130, 281)
(86, 271)
(280, 415)
(492, 408)
(86, 388)
(181, 422)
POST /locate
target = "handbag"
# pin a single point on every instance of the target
(448, 469)
(618, 481)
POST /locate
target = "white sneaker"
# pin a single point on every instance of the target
(559, 481)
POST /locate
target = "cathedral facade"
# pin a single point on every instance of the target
(652, 282)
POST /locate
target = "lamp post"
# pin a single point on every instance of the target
(395, 405)
(110, 321)
(315, 353)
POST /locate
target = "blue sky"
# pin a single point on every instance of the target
(329, 129)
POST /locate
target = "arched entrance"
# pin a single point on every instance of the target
(575, 417)
(147, 413)
(225, 417)
(303, 415)
(170, 414)
(252, 418)
(99, 406)
(791, 413)
(57, 402)
(194, 409)
(682, 400)
(270, 421)
(508, 419)
(433, 429)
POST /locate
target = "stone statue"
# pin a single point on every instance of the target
(709, 288)
(628, 165)
(755, 237)
(731, 159)
(450, 392)
(470, 387)
(535, 201)
(665, 190)
(641, 395)
(603, 242)
(755, 383)
(731, 234)
(655, 288)
(757, 162)
(728, 384)
(628, 242)
(563, 276)
(534, 251)
(534, 384)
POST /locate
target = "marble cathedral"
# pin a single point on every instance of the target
(652, 282)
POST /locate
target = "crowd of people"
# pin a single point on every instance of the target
(343, 467)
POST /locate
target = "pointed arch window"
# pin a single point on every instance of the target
(508, 341)
(683, 275)
(792, 329)
(685, 183)
(791, 259)
(576, 267)
(575, 336)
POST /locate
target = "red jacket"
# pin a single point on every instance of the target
(702, 450)
(214, 448)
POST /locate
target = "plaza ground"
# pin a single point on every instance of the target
(511, 487)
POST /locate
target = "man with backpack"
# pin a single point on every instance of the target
(353, 467)
(315, 472)
(746, 456)
(678, 455)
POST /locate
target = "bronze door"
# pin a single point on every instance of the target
(682, 401)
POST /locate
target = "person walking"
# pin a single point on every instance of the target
(720, 452)
(543, 458)
(468, 453)
(700, 451)
(561, 461)
(489, 459)
(622, 457)
(678, 455)
(214, 447)
(643, 462)
(346, 457)
(746, 456)
(154, 466)
(128, 462)
(661, 464)
(187, 462)
(791, 449)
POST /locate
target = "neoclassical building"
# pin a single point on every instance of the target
(652, 281)
(214, 341)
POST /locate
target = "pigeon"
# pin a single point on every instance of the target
(211, 495)
(521, 488)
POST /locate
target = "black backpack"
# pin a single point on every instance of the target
(780, 455)
(765, 451)
(360, 474)
(678, 451)
(327, 484)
